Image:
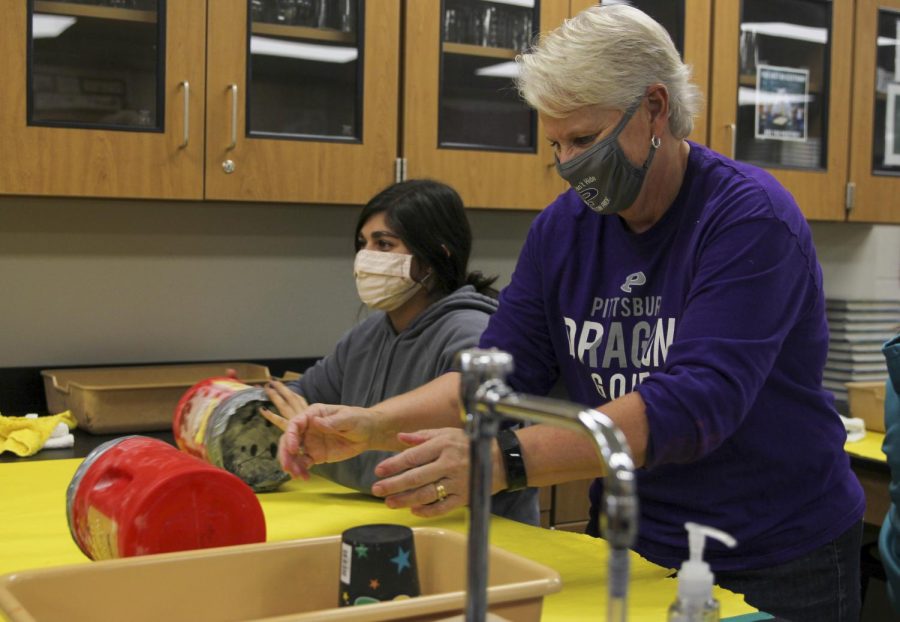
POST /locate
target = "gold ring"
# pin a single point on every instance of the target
(440, 491)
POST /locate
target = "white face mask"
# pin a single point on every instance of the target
(384, 280)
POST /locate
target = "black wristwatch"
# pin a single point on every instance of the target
(513, 464)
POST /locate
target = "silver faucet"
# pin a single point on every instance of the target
(486, 398)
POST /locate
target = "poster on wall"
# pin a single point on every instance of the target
(892, 127)
(782, 100)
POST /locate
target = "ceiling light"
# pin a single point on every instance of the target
(524, 3)
(509, 69)
(266, 46)
(787, 31)
(49, 26)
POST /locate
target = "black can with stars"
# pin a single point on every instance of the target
(378, 563)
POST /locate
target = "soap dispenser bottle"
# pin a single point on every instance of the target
(695, 602)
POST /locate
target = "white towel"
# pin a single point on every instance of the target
(856, 428)
(60, 442)
(60, 437)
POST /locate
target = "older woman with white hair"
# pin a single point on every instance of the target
(679, 292)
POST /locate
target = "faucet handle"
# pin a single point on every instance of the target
(485, 363)
(479, 366)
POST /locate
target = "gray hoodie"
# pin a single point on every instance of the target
(373, 362)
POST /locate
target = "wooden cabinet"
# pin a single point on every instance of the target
(781, 79)
(840, 166)
(697, 51)
(443, 84)
(245, 115)
(179, 100)
(93, 157)
(201, 143)
(874, 140)
(301, 159)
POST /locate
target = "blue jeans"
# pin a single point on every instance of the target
(821, 586)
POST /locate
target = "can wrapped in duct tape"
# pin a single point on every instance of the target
(137, 495)
(218, 420)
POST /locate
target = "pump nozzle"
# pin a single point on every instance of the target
(695, 580)
(696, 539)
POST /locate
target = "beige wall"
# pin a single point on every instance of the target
(87, 282)
(859, 261)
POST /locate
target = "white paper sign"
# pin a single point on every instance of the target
(782, 103)
(892, 126)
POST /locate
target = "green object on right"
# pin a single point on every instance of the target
(889, 534)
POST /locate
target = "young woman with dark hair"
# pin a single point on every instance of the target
(430, 218)
(413, 243)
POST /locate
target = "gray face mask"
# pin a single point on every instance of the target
(607, 182)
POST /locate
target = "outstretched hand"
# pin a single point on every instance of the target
(316, 434)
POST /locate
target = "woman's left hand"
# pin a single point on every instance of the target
(288, 403)
(431, 477)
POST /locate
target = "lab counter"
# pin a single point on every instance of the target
(870, 465)
(34, 534)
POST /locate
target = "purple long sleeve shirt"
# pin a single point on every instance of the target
(716, 316)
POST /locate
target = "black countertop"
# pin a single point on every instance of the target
(85, 442)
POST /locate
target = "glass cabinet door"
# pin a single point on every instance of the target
(109, 104)
(302, 99)
(782, 114)
(781, 79)
(689, 23)
(463, 119)
(875, 147)
(96, 65)
(305, 69)
(478, 107)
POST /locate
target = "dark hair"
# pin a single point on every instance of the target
(430, 219)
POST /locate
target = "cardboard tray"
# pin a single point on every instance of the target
(866, 401)
(295, 580)
(132, 399)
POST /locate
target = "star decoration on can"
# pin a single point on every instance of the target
(401, 559)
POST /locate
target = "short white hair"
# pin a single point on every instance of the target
(607, 56)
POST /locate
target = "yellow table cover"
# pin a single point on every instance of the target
(868, 447)
(34, 534)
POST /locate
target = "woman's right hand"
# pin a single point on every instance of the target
(323, 433)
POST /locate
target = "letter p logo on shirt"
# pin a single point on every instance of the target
(633, 280)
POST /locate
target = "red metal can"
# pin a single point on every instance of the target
(195, 409)
(137, 495)
(218, 421)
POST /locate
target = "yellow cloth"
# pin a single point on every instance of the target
(869, 447)
(25, 436)
(35, 535)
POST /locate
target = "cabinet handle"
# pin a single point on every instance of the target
(234, 116)
(732, 129)
(186, 88)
